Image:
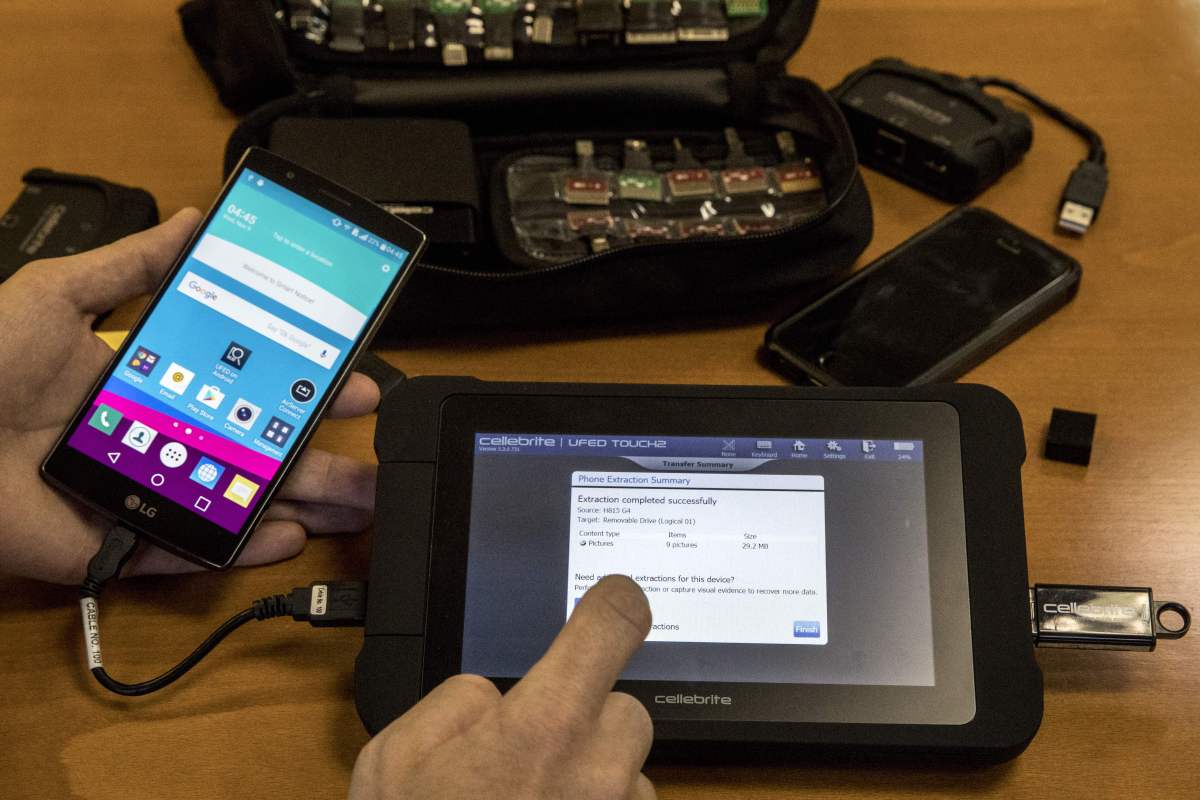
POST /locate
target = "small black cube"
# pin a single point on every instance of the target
(1070, 436)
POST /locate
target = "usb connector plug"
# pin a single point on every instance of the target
(1081, 199)
(331, 604)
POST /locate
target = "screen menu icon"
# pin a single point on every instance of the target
(303, 390)
(207, 473)
(143, 360)
(177, 378)
(138, 436)
(236, 355)
(278, 431)
(105, 419)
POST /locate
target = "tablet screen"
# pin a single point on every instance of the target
(804, 560)
(764, 559)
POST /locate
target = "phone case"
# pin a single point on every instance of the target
(1003, 331)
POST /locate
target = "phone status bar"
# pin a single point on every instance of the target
(341, 226)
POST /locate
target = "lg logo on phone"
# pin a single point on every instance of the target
(134, 503)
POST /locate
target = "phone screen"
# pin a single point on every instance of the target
(922, 302)
(209, 396)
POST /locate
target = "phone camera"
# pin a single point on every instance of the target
(291, 174)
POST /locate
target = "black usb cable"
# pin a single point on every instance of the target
(1085, 189)
(323, 604)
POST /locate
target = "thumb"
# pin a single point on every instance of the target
(100, 280)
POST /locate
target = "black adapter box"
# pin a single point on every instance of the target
(934, 131)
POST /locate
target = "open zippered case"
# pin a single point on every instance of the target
(546, 257)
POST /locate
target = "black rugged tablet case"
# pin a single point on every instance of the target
(543, 101)
(1008, 681)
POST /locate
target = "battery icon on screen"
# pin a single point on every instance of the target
(903, 446)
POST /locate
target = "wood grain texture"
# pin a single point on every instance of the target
(114, 92)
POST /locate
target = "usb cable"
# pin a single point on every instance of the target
(1085, 189)
(323, 604)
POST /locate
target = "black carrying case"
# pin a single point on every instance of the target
(547, 98)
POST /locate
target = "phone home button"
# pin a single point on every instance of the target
(157, 479)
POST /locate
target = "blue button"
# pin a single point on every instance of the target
(806, 629)
(207, 473)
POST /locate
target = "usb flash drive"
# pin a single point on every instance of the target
(1101, 617)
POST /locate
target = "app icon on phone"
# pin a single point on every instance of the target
(243, 413)
(105, 419)
(241, 490)
(138, 436)
(143, 360)
(173, 454)
(278, 431)
(236, 355)
(207, 473)
(303, 390)
(176, 378)
(211, 396)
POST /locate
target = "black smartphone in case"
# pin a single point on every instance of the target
(203, 410)
(929, 310)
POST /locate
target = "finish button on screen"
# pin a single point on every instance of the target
(806, 629)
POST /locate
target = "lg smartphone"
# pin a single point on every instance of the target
(930, 310)
(201, 413)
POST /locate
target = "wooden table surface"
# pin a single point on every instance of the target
(113, 91)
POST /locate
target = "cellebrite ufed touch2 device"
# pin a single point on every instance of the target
(828, 569)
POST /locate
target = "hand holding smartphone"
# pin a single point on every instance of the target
(929, 310)
(201, 414)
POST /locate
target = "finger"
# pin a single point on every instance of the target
(272, 541)
(446, 712)
(102, 279)
(623, 736)
(642, 789)
(321, 477)
(582, 664)
(320, 518)
(359, 396)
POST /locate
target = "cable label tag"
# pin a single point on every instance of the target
(316, 606)
(91, 631)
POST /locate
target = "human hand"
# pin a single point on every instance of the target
(561, 732)
(51, 358)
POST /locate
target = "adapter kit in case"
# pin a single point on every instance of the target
(570, 161)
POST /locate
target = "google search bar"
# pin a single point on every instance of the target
(281, 285)
(256, 319)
